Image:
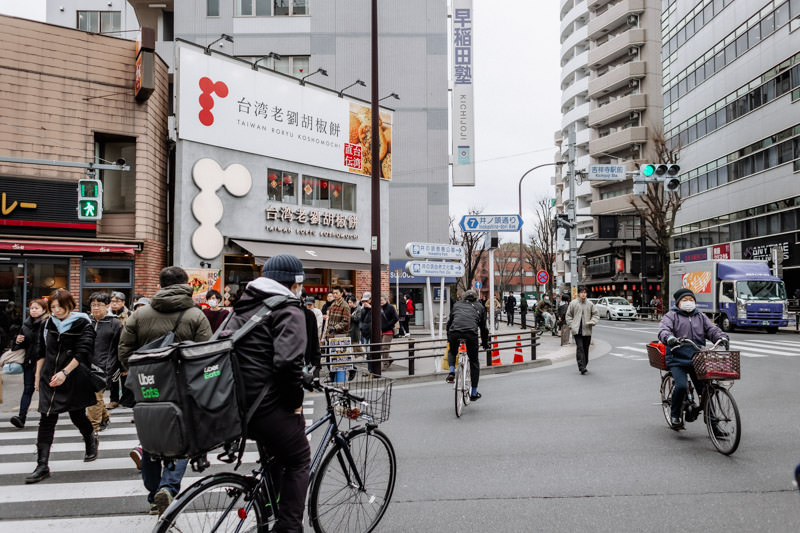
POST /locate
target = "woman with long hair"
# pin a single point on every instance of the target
(29, 339)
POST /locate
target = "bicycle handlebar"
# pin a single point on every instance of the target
(684, 340)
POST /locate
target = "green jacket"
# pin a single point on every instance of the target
(150, 322)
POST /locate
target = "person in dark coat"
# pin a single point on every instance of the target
(523, 310)
(66, 350)
(107, 330)
(365, 325)
(389, 319)
(402, 312)
(466, 322)
(30, 339)
(685, 321)
(511, 303)
(272, 357)
(215, 314)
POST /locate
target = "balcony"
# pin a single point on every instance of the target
(617, 204)
(576, 37)
(593, 5)
(619, 109)
(618, 140)
(576, 113)
(616, 47)
(580, 86)
(613, 17)
(579, 61)
(616, 78)
(582, 137)
(576, 11)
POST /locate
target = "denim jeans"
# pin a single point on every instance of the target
(680, 375)
(157, 476)
(28, 387)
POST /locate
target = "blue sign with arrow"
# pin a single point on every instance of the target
(471, 223)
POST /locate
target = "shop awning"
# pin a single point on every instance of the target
(22, 245)
(311, 256)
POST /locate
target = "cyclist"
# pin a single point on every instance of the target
(684, 320)
(272, 356)
(467, 320)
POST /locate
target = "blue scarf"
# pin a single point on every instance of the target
(66, 324)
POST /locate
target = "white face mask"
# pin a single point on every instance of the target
(687, 305)
(299, 291)
(213, 302)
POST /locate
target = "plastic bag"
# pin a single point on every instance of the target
(12, 368)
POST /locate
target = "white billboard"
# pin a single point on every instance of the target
(224, 102)
(463, 101)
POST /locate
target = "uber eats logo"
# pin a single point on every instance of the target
(211, 372)
(147, 391)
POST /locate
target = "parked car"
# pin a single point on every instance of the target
(531, 304)
(614, 307)
(593, 300)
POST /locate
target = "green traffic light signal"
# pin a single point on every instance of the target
(648, 170)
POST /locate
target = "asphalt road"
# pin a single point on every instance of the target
(551, 450)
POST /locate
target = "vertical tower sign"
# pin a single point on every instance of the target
(463, 101)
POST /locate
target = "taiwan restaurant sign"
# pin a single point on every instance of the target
(224, 102)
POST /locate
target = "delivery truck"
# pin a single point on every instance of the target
(741, 294)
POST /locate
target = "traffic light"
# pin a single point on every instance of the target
(661, 173)
(90, 199)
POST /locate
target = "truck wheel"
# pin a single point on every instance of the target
(772, 330)
(725, 324)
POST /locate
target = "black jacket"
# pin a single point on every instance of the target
(511, 303)
(469, 316)
(58, 349)
(355, 321)
(388, 318)
(272, 354)
(32, 329)
(106, 343)
(365, 324)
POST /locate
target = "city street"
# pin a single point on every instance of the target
(543, 450)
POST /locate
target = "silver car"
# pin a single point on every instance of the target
(614, 307)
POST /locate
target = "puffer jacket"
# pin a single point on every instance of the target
(150, 322)
(57, 350)
(106, 344)
(272, 354)
(695, 325)
(32, 330)
(468, 316)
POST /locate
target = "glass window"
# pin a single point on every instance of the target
(690, 81)
(89, 21)
(299, 7)
(262, 8)
(212, 8)
(693, 186)
(701, 128)
(721, 118)
(722, 175)
(719, 61)
(782, 14)
(692, 133)
(712, 179)
(767, 25)
(289, 180)
(274, 185)
(789, 220)
(782, 84)
(711, 123)
(335, 194)
(754, 35)
(709, 68)
(759, 161)
(44, 278)
(244, 8)
(119, 187)
(785, 151)
(703, 182)
(348, 196)
(308, 190)
(281, 7)
(730, 53)
(741, 44)
(110, 21)
(299, 66)
(708, 13)
(106, 274)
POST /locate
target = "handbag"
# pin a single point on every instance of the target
(94, 375)
(13, 356)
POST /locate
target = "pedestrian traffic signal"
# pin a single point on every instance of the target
(90, 199)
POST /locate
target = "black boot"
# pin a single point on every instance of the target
(42, 470)
(91, 447)
(18, 421)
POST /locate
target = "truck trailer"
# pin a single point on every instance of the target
(733, 293)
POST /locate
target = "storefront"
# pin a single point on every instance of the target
(415, 287)
(275, 167)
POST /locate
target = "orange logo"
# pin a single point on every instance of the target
(697, 282)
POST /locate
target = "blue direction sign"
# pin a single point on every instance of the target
(490, 223)
(436, 269)
(429, 250)
(478, 285)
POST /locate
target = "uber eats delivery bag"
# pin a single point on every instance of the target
(189, 396)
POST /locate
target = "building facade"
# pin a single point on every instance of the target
(57, 108)
(731, 93)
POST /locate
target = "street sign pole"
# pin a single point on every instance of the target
(573, 235)
(491, 291)
(430, 306)
(441, 308)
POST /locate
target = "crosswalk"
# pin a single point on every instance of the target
(104, 495)
(747, 348)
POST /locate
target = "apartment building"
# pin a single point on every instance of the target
(731, 106)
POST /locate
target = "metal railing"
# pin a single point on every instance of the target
(412, 350)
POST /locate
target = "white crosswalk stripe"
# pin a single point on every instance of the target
(110, 485)
(747, 348)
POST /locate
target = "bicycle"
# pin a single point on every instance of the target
(351, 479)
(720, 413)
(463, 382)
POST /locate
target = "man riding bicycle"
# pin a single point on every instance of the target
(467, 319)
(685, 321)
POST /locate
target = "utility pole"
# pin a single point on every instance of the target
(375, 243)
(643, 263)
(573, 234)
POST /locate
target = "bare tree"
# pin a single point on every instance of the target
(505, 264)
(472, 241)
(540, 253)
(658, 208)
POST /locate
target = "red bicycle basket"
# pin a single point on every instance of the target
(717, 364)
(655, 353)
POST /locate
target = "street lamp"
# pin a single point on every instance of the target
(357, 82)
(319, 70)
(273, 55)
(521, 273)
(223, 37)
(390, 95)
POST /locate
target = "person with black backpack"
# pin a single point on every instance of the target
(272, 356)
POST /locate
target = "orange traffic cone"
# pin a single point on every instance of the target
(518, 352)
(495, 354)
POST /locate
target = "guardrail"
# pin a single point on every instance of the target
(377, 353)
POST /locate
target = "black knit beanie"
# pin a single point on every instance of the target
(283, 268)
(680, 293)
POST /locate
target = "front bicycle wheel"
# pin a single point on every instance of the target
(722, 420)
(459, 388)
(215, 503)
(667, 384)
(336, 503)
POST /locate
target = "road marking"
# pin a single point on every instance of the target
(758, 347)
(120, 524)
(58, 447)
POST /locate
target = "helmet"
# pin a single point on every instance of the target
(471, 295)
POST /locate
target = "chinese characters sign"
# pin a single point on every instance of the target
(463, 101)
(435, 269)
(427, 250)
(228, 104)
(313, 222)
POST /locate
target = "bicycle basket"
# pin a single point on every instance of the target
(377, 394)
(716, 364)
(656, 352)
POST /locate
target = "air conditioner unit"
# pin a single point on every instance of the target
(633, 50)
(633, 20)
(634, 115)
(633, 84)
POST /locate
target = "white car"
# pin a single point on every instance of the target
(612, 307)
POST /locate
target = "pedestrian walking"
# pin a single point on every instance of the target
(402, 312)
(171, 309)
(328, 302)
(581, 316)
(106, 342)
(523, 310)
(317, 315)
(366, 318)
(62, 378)
(355, 322)
(338, 315)
(511, 304)
(388, 320)
(215, 313)
(30, 340)
(466, 323)
(562, 320)
(409, 313)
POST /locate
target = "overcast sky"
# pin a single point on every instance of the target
(517, 103)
